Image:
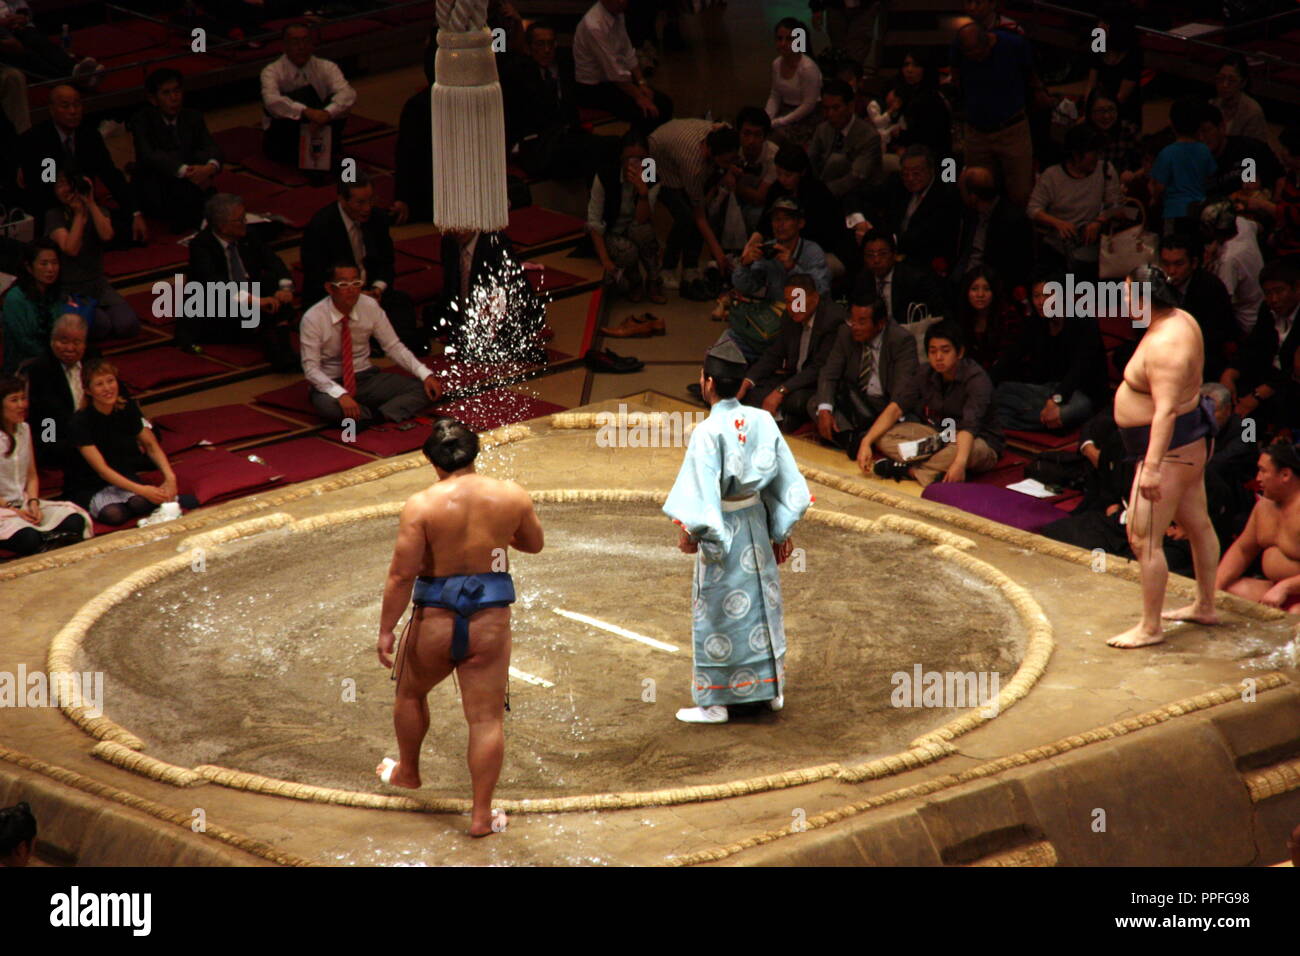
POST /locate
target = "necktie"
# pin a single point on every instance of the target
(837, 146)
(554, 82)
(868, 366)
(882, 290)
(173, 135)
(237, 271)
(349, 373)
(68, 145)
(358, 244)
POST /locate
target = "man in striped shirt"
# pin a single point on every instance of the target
(693, 160)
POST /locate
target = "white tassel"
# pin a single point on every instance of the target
(469, 140)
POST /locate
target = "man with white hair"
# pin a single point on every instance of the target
(54, 389)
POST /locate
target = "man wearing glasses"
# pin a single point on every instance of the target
(872, 365)
(336, 335)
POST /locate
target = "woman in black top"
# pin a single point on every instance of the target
(1119, 137)
(110, 433)
(988, 317)
(1118, 71)
(926, 116)
(823, 219)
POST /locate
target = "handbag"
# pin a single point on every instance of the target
(1124, 250)
(17, 224)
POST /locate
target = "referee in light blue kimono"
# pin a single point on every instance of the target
(736, 500)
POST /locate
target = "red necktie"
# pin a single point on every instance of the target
(349, 373)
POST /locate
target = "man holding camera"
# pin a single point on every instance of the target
(68, 142)
(760, 277)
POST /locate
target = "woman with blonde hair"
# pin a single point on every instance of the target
(114, 440)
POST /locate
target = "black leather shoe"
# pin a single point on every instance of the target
(888, 468)
(604, 360)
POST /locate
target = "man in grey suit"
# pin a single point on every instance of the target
(784, 377)
(845, 149)
(872, 363)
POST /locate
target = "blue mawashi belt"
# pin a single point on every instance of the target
(465, 594)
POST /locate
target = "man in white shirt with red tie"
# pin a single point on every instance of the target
(336, 335)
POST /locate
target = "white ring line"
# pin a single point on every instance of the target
(527, 678)
(615, 629)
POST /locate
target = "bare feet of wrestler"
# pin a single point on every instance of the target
(495, 822)
(1136, 636)
(391, 772)
(1193, 612)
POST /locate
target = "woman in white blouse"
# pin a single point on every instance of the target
(796, 85)
(28, 523)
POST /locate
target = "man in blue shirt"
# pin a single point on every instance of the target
(995, 69)
(1184, 167)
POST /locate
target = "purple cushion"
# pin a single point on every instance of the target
(997, 504)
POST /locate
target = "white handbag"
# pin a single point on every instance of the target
(1124, 250)
(17, 224)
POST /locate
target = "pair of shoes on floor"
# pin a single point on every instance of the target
(888, 468)
(637, 327)
(603, 360)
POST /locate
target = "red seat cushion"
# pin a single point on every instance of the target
(359, 125)
(124, 262)
(422, 247)
(238, 142)
(276, 172)
(302, 459)
(503, 406)
(385, 440)
(214, 473)
(299, 205)
(258, 194)
(149, 368)
(143, 303)
(216, 426)
(422, 286)
(533, 225)
(1045, 440)
(380, 152)
(110, 39)
(295, 397)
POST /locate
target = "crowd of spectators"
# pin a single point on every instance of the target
(929, 211)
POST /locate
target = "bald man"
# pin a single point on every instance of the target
(73, 144)
(994, 232)
(995, 70)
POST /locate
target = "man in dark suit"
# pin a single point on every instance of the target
(176, 158)
(355, 230)
(1260, 373)
(64, 139)
(921, 210)
(223, 252)
(413, 178)
(993, 233)
(871, 364)
(1205, 298)
(487, 309)
(543, 131)
(54, 391)
(784, 378)
(910, 291)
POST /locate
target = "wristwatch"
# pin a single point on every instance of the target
(1058, 399)
(782, 390)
